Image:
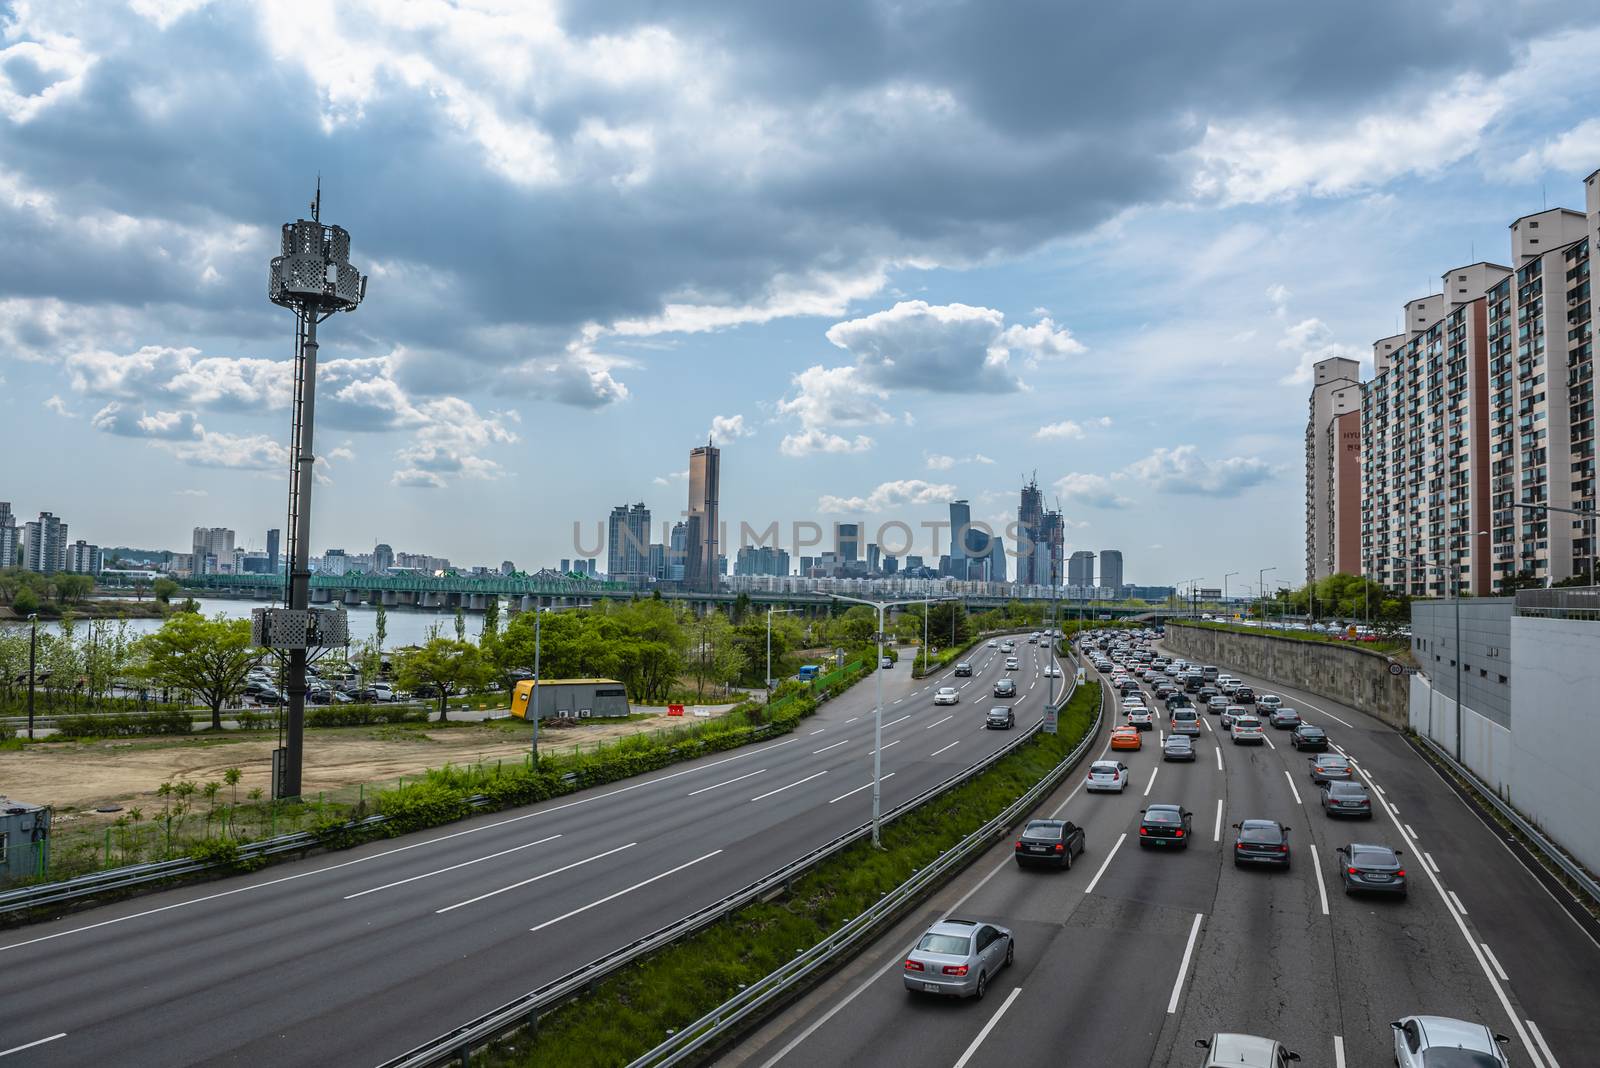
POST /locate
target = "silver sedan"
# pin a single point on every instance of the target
(958, 958)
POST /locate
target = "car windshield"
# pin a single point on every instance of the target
(1346, 789)
(1161, 815)
(954, 945)
(1104, 769)
(1310, 732)
(1180, 742)
(1332, 762)
(1043, 829)
(1245, 721)
(1266, 833)
(1458, 1058)
(1375, 858)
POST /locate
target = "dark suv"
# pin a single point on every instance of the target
(1244, 695)
(1000, 718)
(1005, 688)
(963, 669)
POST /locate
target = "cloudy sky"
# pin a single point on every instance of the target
(886, 253)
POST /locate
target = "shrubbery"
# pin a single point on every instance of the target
(135, 725)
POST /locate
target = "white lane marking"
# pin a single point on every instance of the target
(891, 745)
(1004, 1005)
(1410, 833)
(1431, 862)
(936, 752)
(792, 785)
(1500, 992)
(819, 730)
(1216, 828)
(398, 849)
(936, 722)
(1152, 781)
(1322, 887)
(730, 782)
(894, 961)
(852, 719)
(1380, 790)
(1161, 738)
(1207, 722)
(1292, 788)
(1501, 972)
(626, 890)
(453, 867)
(1264, 738)
(1457, 902)
(1543, 1046)
(1105, 864)
(536, 878)
(902, 719)
(1218, 751)
(835, 745)
(1183, 968)
(1338, 1052)
(964, 685)
(30, 1045)
(897, 700)
(863, 786)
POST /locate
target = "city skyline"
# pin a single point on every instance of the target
(907, 349)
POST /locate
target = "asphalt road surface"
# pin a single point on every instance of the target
(1133, 954)
(353, 957)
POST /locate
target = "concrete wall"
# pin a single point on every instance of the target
(1486, 745)
(1347, 673)
(1485, 651)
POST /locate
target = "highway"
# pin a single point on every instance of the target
(1131, 955)
(350, 958)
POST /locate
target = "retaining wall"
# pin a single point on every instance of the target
(1355, 676)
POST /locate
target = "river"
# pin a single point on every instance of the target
(406, 626)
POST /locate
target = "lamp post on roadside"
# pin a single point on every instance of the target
(1225, 579)
(33, 662)
(877, 714)
(1261, 589)
(770, 610)
(533, 710)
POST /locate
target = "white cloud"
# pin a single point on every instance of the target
(903, 493)
(54, 403)
(1095, 491)
(1184, 470)
(834, 396)
(1066, 430)
(254, 452)
(1311, 341)
(729, 428)
(416, 479)
(114, 418)
(936, 462)
(1575, 151)
(809, 442)
(451, 440)
(191, 493)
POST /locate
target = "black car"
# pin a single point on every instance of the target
(963, 669)
(1284, 719)
(1005, 688)
(1264, 842)
(1193, 683)
(1000, 718)
(1049, 842)
(1346, 799)
(1179, 700)
(1165, 825)
(1309, 738)
(1244, 695)
(1206, 694)
(1368, 867)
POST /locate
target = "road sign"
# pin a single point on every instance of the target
(1397, 669)
(1049, 719)
(674, 710)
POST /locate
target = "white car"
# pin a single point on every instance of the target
(1246, 730)
(994, 645)
(1012, 663)
(1106, 775)
(946, 695)
(1268, 702)
(1415, 1036)
(1232, 712)
(1050, 671)
(1245, 1051)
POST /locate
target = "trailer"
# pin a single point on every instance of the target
(572, 699)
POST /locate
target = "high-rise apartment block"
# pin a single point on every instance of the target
(1480, 412)
(1080, 569)
(1111, 569)
(83, 558)
(45, 545)
(702, 535)
(761, 560)
(8, 536)
(213, 550)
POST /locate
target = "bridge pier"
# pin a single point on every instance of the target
(321, 595)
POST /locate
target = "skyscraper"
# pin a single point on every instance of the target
(382, 557)
(83, 558)
(1053, 535)
(960, 523)
(272, 552)
(1080, 569)
(997, 560)
(1111, 569)
(703, 535)
(8, 536)
(1335, 392)
(873, 558)
(1031, 566)
(45, 548)
(677, 551)
(628, 543)
(847, 541)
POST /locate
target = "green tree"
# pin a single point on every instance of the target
(24, 602)
(446, 667)
(210, 658)
(381, 627)
(741, 607)
(72, 589)
(163, 589)
(491, 621)
(461, 626)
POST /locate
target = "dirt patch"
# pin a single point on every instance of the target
(83, 775)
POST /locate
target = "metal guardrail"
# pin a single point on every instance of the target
(1553, 852)
(458, 1043)
(732, 1014)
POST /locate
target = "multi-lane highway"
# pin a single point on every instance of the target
(1131, 955)
(350, 958)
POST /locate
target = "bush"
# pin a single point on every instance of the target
(222, 850)
(6, 733)
(137, 725)
(362, 715)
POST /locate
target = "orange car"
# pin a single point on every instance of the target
(1126, 738)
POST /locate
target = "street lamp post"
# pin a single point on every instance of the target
(1589, 514)
(33, 662)
(877, 714)
(770, 610)
(1261, 588)
(1225, 579)
(533, 711)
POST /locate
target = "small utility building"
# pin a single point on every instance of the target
(24, 840)
(572, 699)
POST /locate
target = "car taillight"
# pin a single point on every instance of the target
(1144, 830)
(1060, 847)
(955, 969)
(1401, 874)
(1238, 845)
(913, 966)
(1178, 833)
(1284, 848)
(1352, 871)
(1019, 843)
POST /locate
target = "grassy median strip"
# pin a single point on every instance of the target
(635, 1009)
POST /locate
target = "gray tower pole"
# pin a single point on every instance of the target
(300, 564)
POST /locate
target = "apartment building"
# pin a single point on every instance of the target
(1335, 392)
(45, 544)
(9, 536)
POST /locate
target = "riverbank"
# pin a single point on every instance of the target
(94, 608)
